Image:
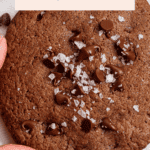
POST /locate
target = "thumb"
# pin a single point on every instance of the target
(3, 49)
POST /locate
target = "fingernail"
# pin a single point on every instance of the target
(3, 49)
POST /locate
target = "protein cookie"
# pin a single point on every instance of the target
(78, 80)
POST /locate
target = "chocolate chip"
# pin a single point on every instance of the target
(82, 55)
(130, 55)
(62, 99)
(77, 37)
(117, 71)
(48, 63)
(5, 19)
(106, 25)
(39, 17)
(99, 76)
(69, 74)
(79, 90)
(86, 125)
(117, 86)
(107, 124)
(122, 43)
(53, 129)
(58, 77)
(29, 124)
(91, 49)
(60, 68)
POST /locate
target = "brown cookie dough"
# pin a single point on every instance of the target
(68, 83)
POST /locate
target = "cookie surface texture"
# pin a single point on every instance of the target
(67, 84)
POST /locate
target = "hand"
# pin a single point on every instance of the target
(3, 49)
(15, 147)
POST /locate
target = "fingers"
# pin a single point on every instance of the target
(3, 49)
(15, 147)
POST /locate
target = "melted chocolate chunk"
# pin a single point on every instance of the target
(86, 125)
(62, 99)
(48, 63)
(107, 124)
(106, 25)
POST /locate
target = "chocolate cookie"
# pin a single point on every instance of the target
(78, 80)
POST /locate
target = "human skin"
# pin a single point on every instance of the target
(3, 51)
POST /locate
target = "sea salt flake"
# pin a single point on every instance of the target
(64, 23)
(91, 58)
(73, 91)
(52, 76)
(74, 118)
(110, 78)
(50, 48)
(80, 44)
(45, 56)
(114, 57)
(76, 102)
(64, 124)
(33, 107)
(121, 19)
(82, 113)
(124, 49)
(42, 13)
(42, 131)
(127, 45)
(85, 88)
(101, 95)
(71, 66)
(53, 126)
(93, 120)
(101, 32)
(102, 67)
(87, 112)
(140, 36)
(82, 104)
(91, 17)
(137, 46)
(18, 89)
(103, 57)
(78, 71)
(92, 83)
(107, 109)
(115, 37)
(96, 90)
(118, 42)
(136, 108)
(56, 91)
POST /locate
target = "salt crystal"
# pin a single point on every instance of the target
(121, 19)
(140, 36)
(74, 118)
(136, 108)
